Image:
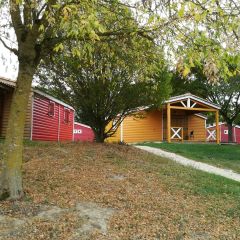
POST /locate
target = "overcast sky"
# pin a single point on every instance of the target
(8, 63)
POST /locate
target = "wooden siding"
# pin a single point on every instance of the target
(178, 119)
(66, 129)
(28, 121)
(1, 110)
(150, 127)
(197, 125)
(50, 128)
(7, 99)
(5, 112)
(45, 127)
(83, 133)
(224, 135)
(116, 137)
(147, 127)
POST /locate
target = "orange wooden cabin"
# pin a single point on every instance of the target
(179, 119)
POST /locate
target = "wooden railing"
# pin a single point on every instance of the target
(177, 133)
(211, 135)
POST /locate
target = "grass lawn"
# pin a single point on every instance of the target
(152, 197)
(224, 156)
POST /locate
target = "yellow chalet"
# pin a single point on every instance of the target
(179, 119)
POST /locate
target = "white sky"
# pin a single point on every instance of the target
(8, 63)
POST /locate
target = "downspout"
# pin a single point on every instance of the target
(32, 105)
(162, 124)
(59, 118)
(235, 134)
(206, 130)
(73, 125)
(220, 133)
(121, 132)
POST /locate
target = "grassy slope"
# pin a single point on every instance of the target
(225, 156)
(157, 199)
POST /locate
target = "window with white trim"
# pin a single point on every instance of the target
(78, 131)
(226, 132)
(51, 109)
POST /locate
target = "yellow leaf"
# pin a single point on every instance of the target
(186, 71)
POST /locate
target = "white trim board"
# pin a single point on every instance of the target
(201, 116)
(81, 124)
(53, 99)
(192, 97)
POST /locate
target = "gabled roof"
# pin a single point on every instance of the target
(201, 116)
(52, 98)
(222, 123)
(11, 83)
(192, 97)
(81, 124)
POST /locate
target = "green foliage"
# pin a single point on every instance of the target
(225, 92)
(108, 79)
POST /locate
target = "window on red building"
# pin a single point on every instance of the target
(51, 108)
(66, 115)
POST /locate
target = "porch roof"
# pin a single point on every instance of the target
(190, 96)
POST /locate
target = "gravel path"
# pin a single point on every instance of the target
(188, 162)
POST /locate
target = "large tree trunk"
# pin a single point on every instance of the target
(11, 175)
(100, 136)
(230, 132)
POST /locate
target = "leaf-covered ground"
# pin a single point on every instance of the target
(151, 197)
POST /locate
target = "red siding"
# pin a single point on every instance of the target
(224, 135)
(85, 133)
(66, 129)
(237, 134)
(45, 127)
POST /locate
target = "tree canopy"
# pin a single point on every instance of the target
(225, 92)
(119, 75)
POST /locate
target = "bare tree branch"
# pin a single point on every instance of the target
(13, 50)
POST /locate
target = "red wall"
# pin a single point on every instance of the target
(50, 128)
(224, 137)
(237, 134)
(83, 133)
(66, 129)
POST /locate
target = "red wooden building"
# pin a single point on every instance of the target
(83, 133)
(223, 128)
(48, 119)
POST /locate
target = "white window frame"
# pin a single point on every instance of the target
(77, 131)
(225, 132)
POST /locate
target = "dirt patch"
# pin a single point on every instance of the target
(97, 217)
(90, 218)
(9, 225)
